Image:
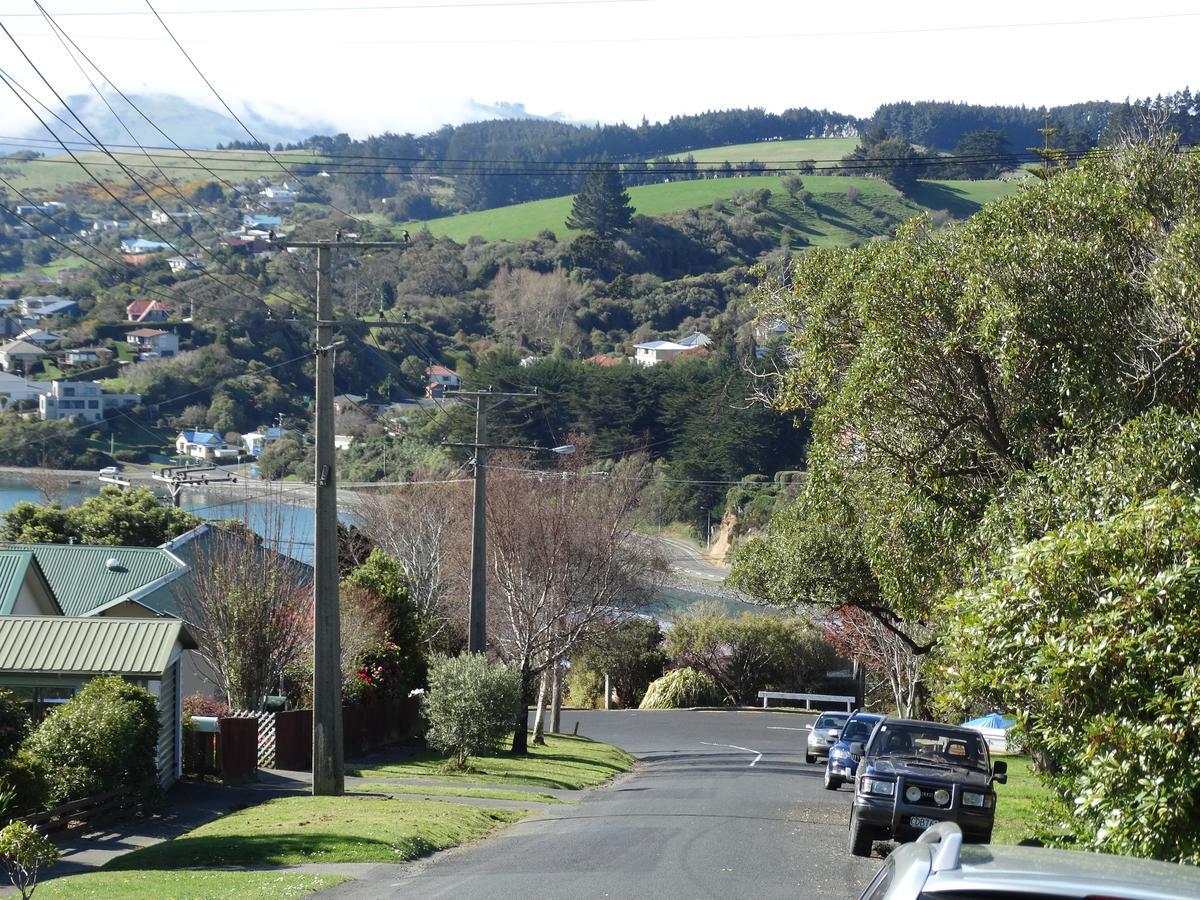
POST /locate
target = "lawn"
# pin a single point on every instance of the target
(830, 220)
(157, 885)
(296, 830)
(1016, 802)
(822, 150)
(453, 790)
(566, 762)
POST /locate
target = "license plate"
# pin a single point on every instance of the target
(922, 822)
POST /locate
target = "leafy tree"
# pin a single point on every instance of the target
(130, 518)
(983, 154)
(602, 205)
(469, 705)
(383, 578)
(14, 725)
(630, 654)
(23, 851)
(681, 688)
(284, 457)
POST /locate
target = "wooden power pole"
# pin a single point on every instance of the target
(329, 771)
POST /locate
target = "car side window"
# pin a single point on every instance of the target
(878, 888)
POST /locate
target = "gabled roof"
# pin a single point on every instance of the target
(21, 347)
(146, 332)
(696, 339)
(441, 370)
(201, 437)
(138, 308)
(660, 345)
(89, 646)
(83, 581)
(15, 566)
(601, 360)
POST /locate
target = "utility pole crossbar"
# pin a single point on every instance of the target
(179, 478)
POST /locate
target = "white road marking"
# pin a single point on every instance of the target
(784, 728)
(757, 756)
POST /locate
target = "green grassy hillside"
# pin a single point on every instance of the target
(820, 149)
(56, 172)
(832, 219)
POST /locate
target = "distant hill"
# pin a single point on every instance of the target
(188, 123)
(831, 219)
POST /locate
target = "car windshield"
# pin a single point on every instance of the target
(831, 720)
(858, 729)
(931, 745)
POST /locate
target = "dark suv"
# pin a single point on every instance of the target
(915, 774)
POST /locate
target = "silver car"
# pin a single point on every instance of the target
(823, 734)
(938, 865)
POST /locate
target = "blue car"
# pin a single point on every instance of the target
(841, 764)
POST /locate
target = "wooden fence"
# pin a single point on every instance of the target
(89, 810)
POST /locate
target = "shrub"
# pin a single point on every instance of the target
(22, 852)
(469, 705)
(106, 736)
(200, 705)
(584, 686)
(680, 689)
(25, 776)
(14, 724)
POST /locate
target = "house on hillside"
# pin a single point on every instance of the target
(440, 375)
(82, 400)
(772, 330)
(141, 245)
(147, 311)
(166, 217)
(19, 356)
(605, 361)
(153, 343)
(47, 305)
(14, 389)
(696, 340)
(277, 196)
(652, 353)
(179, 264)
(205, 445)
(262, 222)
(85, 356)
(40, 336)
(257, 441)
(343, 403)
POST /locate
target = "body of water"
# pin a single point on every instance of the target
(286, 524)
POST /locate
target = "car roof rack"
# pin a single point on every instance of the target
(949, 839)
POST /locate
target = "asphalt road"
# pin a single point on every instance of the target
(687, 560)
(722, 805)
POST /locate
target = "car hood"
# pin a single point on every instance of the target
(917, 771)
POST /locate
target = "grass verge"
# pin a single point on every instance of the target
(453, 790)
(566, 762)
(297, 830)
(1017, 801)
(180, 885)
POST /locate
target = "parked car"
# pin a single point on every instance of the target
(823, 733)
(938, 865)
(842, 764)
(915, 774)
(110, 471)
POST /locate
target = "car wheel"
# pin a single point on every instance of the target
(809, 758)
(861, 836)
(832, 782)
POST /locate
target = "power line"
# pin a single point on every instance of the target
(468, 4)
(228, 108)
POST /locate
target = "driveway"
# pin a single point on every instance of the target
(722, 805)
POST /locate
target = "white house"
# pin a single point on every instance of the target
(277, 196)
(342, 441)
(180, 263)
(14, 389)
(83, 356)
(652, 353)
(81, 400)
(19, 355)
(440, 375)
(153, 343)
(206, 445)
(256, 441)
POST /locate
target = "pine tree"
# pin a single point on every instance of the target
(602, 205)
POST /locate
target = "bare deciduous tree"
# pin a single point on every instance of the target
(536, 308)
(858, 634)
(562, 558)
(422, 526)
(252, 608)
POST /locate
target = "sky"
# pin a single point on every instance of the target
(368, 66)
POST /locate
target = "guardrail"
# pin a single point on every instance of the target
(764, 696)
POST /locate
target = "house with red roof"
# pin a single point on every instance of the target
(443, 377)
(147, 311)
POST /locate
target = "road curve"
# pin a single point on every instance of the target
(722, 805)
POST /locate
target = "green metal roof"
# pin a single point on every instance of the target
(83, 579)
(14, 566)
(88, 646)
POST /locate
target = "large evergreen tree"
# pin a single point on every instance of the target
(602, 204)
